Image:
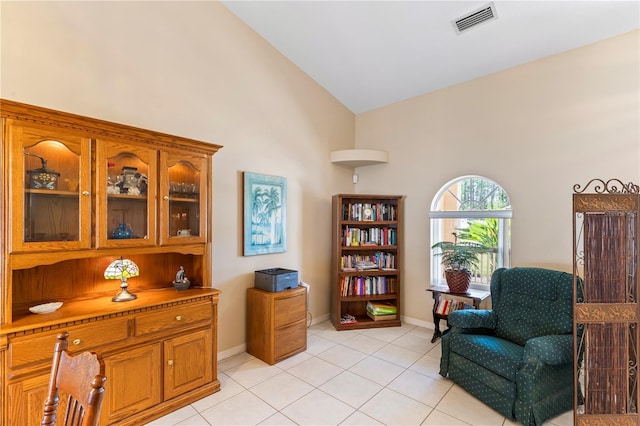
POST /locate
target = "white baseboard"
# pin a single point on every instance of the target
(419, 323)
(243, 348)
(231, 352)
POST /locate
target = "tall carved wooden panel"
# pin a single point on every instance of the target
(606, 224)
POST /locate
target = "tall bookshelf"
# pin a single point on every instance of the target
(366, 259)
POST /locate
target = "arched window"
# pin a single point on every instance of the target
(472, 209)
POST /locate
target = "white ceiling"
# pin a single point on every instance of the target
(373, 53)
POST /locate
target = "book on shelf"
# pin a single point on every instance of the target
(369, 211)
(381, 308)
(367, 285)
(348, 319)
(377, 260)
(366, 265)
(355, 237)
(382, 317)
(446, 306)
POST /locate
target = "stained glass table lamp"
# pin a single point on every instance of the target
(122, 269)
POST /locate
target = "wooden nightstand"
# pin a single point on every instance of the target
(276, 323)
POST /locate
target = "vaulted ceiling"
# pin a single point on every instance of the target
(373, 53)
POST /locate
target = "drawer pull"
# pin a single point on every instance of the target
(76, 341)
(86, 193)
(178, 317)
(170, 362)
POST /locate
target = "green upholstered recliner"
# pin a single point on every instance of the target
(517, 357)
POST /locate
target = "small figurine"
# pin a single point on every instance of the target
(143, 183)
(180, 275)
(181, 282)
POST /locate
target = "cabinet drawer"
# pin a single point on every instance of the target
(37, 348)
(290, 339)
(173, 318)
(290, 309)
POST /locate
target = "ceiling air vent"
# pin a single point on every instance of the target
(484, 14)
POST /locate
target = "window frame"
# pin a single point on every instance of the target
(437, 218)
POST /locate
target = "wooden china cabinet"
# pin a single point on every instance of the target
(77, 194)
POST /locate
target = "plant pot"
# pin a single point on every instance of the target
(458, 281)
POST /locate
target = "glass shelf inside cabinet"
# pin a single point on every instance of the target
(127, 201)
(51, 195)
(184, 200)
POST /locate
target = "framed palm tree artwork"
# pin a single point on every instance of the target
(265, 214)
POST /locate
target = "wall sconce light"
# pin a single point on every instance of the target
(122, 269)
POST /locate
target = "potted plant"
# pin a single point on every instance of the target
(458, 258)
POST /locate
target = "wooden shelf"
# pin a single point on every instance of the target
(369, 247)
(366, 322)
(370, 272)
(128, 197)
(184, 200)
(366, 298)
(52, 192)
(359, 157)
(369, 223)
(353, 289)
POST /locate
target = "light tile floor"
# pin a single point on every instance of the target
(377, 376)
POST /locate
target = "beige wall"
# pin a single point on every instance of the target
(193, 69)
(536, 129)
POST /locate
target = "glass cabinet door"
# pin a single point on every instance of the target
(50, 173)
(126, 194)
(183, 188)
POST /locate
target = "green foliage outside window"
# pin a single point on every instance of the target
(482, 194)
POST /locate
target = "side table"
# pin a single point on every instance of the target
(276, 323)
(476, 296)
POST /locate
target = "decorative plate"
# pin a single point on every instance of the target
(45, 308)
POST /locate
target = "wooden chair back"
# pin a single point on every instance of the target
(81, 378)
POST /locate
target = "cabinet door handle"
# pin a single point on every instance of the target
(85, 193)
(170, 362)
(76, 341)
(178, 317)
(166, 198)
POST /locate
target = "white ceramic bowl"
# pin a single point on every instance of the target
(45, 308)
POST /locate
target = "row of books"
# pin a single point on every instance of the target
(366, 286)
(381, 311)
(369, 237)
(369, 211)
(446, 306)
(379, 260)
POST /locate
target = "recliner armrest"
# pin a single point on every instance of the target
(472, 318)
(551, 350)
